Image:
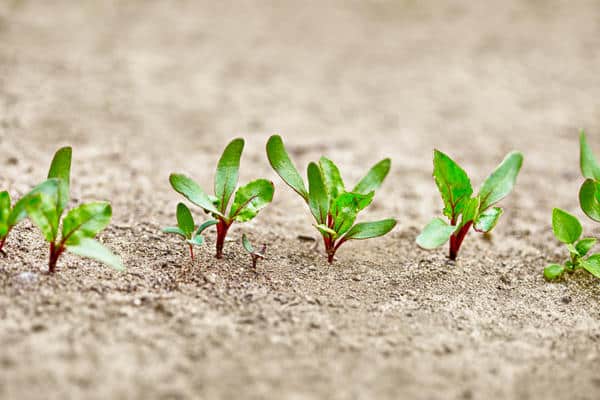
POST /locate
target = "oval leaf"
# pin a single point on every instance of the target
(86, 221)
(250, 199)
(318, 200)
(345, 209)
(584, 246)
(206, 225)
(41, 209)
(453, 183)
(553, 271)
(185, 220)
(567, 227)
(332, 178)
(247, 245)
(226, 179)
(501, 182)
(435, 234)
(587, 161)
(60, 168)
(374, 178)
(193, 192)
(4, 213)
(281, 163)
(592, 265)
(488, 219)
(93, 249)
(588, 199)
(368, 230)
(19, 212)
(174, 230)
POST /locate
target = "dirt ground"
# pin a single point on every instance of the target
(144, 88)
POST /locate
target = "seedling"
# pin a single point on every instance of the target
(568, 230)
(45, 207)
(589, 194)
(247, 202)
(187, 229)
(8, 219)
(463, 210)
(335, 210)
(256, 255)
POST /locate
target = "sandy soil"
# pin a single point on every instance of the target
(141, 89)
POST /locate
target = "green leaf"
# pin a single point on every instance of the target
(332, 178)
(453, 183)
(488, 219)
(247, 245)
(185, 220)
(435, 234)
(19, 212)
(592, 265)
(368, 230)
(250, 199)
(174, 230)
(4, 213)
(588, 199)
(93, 249)
(567, 227)
(345, 209)
(470, 212)
(205, 226)
(325, 230)
(374, 178)
(228, 168)
(589, 166)
(60, 168)
(41, 209)
(192, 191)
(501, 182)
(553, 271)
(197, 240)
(281, 163)
(86, 221)
(585, 245)
(318, 200)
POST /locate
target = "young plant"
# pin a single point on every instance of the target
(335, 210)
(256, 255)
(45, 207)
(247, 202)
(462, 210)
(568, 230)
(187, 229)
(589, 194)
(8, 219)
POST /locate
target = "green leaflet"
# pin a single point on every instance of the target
(584, 246)
(318, 200)
(41, 209)
(197, 240)
(206, 225)
(250, 199)
(332, 178)
(470, 212)
(501, 182)
(226, 178)
(90, 248)
(487, 220)
(566, 227)
(281, 163)
(435, 234)
(553, 271)
(374, 178)
(592, 265)
(325, 230)
(193, 192)
(4, 213)
(368, 230)
(247, 245)
(86, 221)
(453, 183)
(174, 230)
(345, 209)
(588, 199)
(60, 168)
(185, 220)
(588, 163)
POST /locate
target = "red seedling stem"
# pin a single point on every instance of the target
(457, 239)
(191, 251)
(222, 228)
(55, 253)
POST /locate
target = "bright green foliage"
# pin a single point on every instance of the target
(568, 230)
(462, 209)
(254, 254)
(334, 209)
(187, 229)
(589, 194)
(45, 206)
(248, 200)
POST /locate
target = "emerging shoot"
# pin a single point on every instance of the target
(254, 254)
(462, 209)
(333, 207)
(187, 229)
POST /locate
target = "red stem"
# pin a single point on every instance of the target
(55, 253)
(192, 251)
(222, 228)
(457, 239)
(2, 246)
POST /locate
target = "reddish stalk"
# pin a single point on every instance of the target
(222, 228)
(192, 251)
(55, 253)
(457, 239)
(2, 246)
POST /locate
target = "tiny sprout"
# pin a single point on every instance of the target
(256, 255)
(187, 229)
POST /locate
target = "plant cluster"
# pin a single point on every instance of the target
(334, 209)
(463, 210)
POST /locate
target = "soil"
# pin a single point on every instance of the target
(141, 89)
